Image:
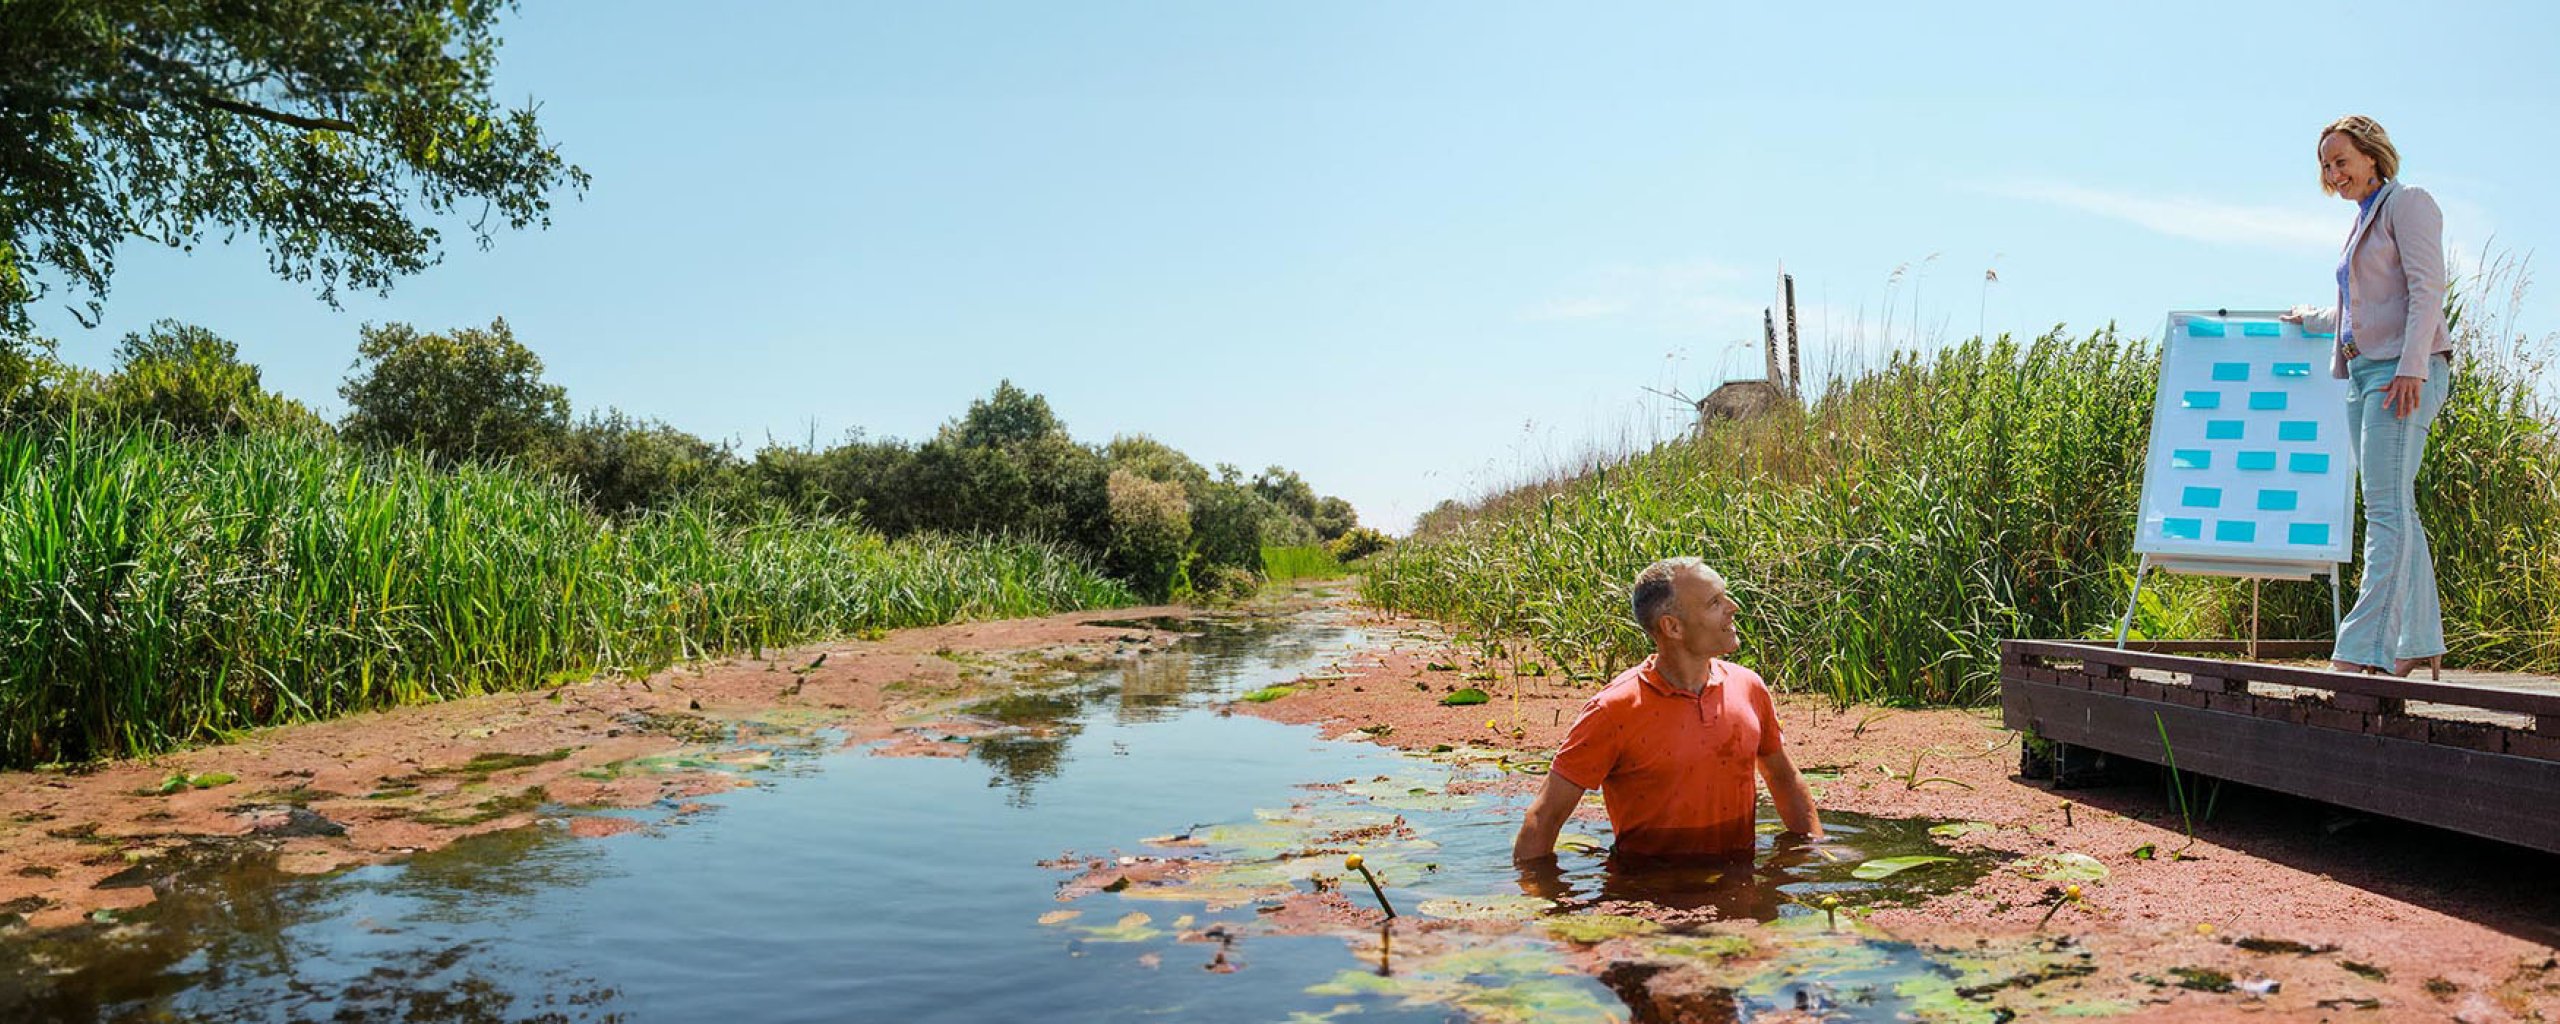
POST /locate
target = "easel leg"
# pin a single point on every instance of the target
(2335, 616)
(2254, 583)
(2135, 601)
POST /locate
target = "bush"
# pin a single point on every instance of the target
(1150, 532)
(1357, 543)
(193, 381)
(624, 465)
(467, 394)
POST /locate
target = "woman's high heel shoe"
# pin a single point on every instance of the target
(2434, 664)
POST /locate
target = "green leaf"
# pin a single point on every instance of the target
(2063, 867)
(1955, 829)
(1268, 694)
(1592, 929)
(1467, 696)
(1887, 867)
(209, 780)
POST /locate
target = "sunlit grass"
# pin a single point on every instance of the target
(1313, 562)
(155, 593)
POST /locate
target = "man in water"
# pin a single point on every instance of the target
(1673, 743)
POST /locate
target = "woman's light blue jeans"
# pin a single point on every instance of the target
(2396, 615)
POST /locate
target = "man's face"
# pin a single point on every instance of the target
(1702, 616)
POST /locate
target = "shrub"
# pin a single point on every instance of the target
(1150, 532)
(1357, 543)
(471, 393)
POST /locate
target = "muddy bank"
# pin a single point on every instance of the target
(2270, 907)
(86, 842)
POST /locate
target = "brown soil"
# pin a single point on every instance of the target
(2457, 929)
(376, 786)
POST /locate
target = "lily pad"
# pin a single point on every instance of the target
(1134, 927)
(2063, 867)
(1957, 829)
(1887, 867)
(1059, 916)
(1487, 908)
(1592, 929)
(1268, 694)
(1470, 695)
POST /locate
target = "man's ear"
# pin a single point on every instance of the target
(1666, 626)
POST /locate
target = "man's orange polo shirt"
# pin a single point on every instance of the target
(1677, 770)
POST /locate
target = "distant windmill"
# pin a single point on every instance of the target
(1745, 399)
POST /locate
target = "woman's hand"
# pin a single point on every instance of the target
(2295, 315)
(2402, 396)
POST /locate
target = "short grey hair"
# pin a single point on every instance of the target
(1651, 597)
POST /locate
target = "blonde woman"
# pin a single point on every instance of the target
(2393, 348)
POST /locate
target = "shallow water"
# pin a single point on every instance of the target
(855, 887)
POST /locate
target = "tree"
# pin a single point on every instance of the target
(193, 380)
(466, 394)
(625, 465)
(1008, 416)
(327, 129)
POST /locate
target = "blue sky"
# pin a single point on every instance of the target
(1412, 250)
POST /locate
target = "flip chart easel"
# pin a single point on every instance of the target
(2249, 473)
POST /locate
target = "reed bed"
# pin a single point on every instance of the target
(157, 592)
(1310, 562)
(1885, 539)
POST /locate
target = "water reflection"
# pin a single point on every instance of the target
(1155, 686)
(231, 929)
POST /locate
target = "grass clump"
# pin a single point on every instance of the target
(156, 592)
(1310, 562)
(1883, 540)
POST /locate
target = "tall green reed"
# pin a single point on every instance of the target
(156, 592)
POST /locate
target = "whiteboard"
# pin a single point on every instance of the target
(2249, 458)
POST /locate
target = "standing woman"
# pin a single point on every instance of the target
(2393, 349)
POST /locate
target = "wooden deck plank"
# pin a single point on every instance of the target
(2331, 757)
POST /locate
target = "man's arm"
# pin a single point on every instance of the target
(1787, 790)
(1537, 839)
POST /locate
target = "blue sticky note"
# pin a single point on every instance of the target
(2297, 430)
(2203, 329)
(2202, 497)
(2191, 458)
(2278, 501)
(2266, 400)
(2222, 430)
(2293, 369)
(2238, 531)
(2307, 533)
(2182, 529)
(2262, 330)
(2231, 371)
(2257, 462)
(2202, 400)
(2307, 462)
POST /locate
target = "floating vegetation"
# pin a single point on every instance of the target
(1268, 694)
(179, 781)
(1887, 867)
(2063, 867)
(1592, 929)
(1462, 698)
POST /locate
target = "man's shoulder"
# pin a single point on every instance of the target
(1620, 692)
(1734, 672)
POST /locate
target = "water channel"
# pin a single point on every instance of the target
(850, 886)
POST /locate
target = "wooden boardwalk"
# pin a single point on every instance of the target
(2478, 752)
